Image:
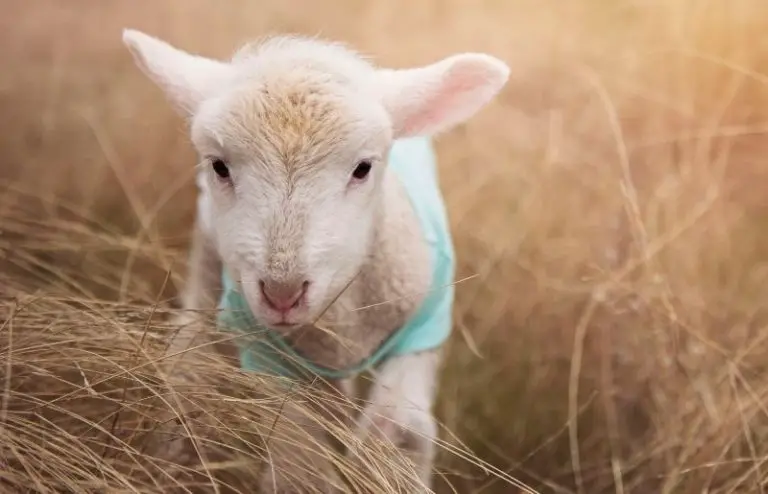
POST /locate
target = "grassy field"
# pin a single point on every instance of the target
(610, 203)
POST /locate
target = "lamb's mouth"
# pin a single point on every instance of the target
(287, 329)
(286, 325)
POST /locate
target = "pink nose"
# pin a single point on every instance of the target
(283, 296)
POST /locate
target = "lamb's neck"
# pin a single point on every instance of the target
(389, 288)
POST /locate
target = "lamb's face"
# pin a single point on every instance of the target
(294, 137)
(294, 168)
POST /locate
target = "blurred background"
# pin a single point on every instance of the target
(610, 203)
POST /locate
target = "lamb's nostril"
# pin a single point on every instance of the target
(281, 295)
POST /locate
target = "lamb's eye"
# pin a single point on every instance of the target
(220, 168)
(361, 170)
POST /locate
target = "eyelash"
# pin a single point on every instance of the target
(362, 170)
(220, 168)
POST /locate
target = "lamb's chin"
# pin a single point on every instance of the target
(285, 328)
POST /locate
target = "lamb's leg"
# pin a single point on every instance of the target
(298, 452)
(400, 409)
(198, 293)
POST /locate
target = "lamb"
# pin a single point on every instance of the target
(319, 207)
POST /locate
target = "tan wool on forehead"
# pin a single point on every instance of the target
(289, 104)
(296, 124)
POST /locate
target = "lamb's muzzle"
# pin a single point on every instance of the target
(283, 296)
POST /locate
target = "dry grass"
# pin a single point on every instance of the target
(611, 201)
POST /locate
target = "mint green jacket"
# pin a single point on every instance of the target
(413, 160)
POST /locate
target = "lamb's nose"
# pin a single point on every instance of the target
(283, 296)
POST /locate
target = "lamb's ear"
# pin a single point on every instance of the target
(185, 78)
(431, 99)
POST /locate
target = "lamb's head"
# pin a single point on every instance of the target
(293, 136)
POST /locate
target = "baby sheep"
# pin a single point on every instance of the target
(321, 218)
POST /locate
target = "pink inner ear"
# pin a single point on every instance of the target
(445, 103)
